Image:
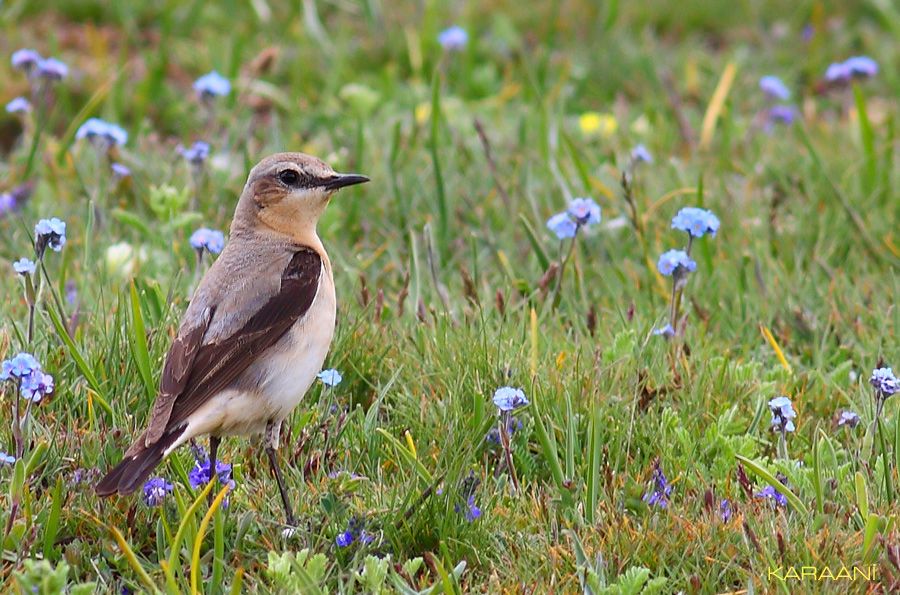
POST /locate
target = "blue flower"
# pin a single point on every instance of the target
(512, 425)
(119, 170)
(472, 511)
(675, 262)
(19, 367)
(330, 377)
(783, 414)
(25, 59)
(19, 105)
(770, 493)
(725, 510)
(199, 475)
(49, 232)
(102, 134)
(781, 114)
(665, 331)
(837, 72)
(212, 85)
(155, 491)
(52, 69)
(36, 386)
(849, 419)
(344, 539)
(884, 382)
(507, 398)
(8, 203)
(196, 154)
(696, 221)
(23, 267)
(6, 459)
(562, 225)
(660, 490)
(584, 211)
(861, 66)
(208, 239)
(774, 88)
(453, 38)
(640, 154)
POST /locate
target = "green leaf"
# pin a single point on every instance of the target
(138, 340)
(862, 495)
(539, 252)
(83, 366)
(764, 474)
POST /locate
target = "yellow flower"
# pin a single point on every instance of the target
(423, 113)
(595, 124)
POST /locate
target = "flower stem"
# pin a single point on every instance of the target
(554, 301)
(504, 439)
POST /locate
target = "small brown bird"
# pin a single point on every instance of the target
(257, 329)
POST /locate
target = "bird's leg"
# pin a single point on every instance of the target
(213, 449)
(273, 430)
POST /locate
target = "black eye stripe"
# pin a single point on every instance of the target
(295, 179)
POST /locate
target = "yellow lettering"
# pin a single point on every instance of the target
(808, 571)
(791, 573)
(776, 572)
(862, 573)
(826, 573)
(844, 573)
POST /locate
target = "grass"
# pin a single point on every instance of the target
(441, 268)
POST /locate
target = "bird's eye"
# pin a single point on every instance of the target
(289, 177)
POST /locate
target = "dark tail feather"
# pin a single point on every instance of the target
(134, 470)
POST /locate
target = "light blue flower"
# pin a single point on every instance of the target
(21, 366)
(37, 385)
(770, 493)
(196, 154)
(507, 398)
(155, 491)
(665, 331)
(861, 66)
(453, 38)
(837, 72)
(102, 133)
(50, 232)
(52, 69)
(562, 225)
(675, 262)
(212, 85)
(584, 211)
(884, 382)
(6, 459)
(23, 266)
(640, 154)
(25, 59)
(774, 88)
(781, 114)
(696, 221)
(330, 377)
(208, 239)
(19, 105)
(849, 419)
(119, 170)
(783, 414)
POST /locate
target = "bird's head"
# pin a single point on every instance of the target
(288, 192)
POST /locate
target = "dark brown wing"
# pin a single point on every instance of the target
(210, 368)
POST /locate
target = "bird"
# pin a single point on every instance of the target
(257, 329)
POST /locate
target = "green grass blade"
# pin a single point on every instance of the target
(764, 474)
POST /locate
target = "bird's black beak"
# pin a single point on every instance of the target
(342, 180)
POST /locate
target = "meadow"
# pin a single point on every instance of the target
(532, 393)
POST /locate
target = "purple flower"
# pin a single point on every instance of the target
(453, 38)
(507, 398)
(24, 267)
(660, 490)
(774, 88)
(119, 170)
(861, 66)
(7, 203)
(36, 386)
(783, 414)
(725, 510)
(837, 73)
(102, 134)
(6, 459)
(849, 419)
(884, 382)
(584, 211)
(666, 331)
(472, 511)
(52, 69)
(212, 85)
(344, 539)
(330, 377)
(19, 367)
(155, 491)
(49, 232)
(512, 424)
(25, 59)
(640, 154)
(199, 475)
(19, 105)
(207, 239)
(770, 493)
(197, 154)
(562, 225)
(675, 263)
(696, 221)
(781, 114)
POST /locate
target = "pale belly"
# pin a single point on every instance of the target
(276, 383)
